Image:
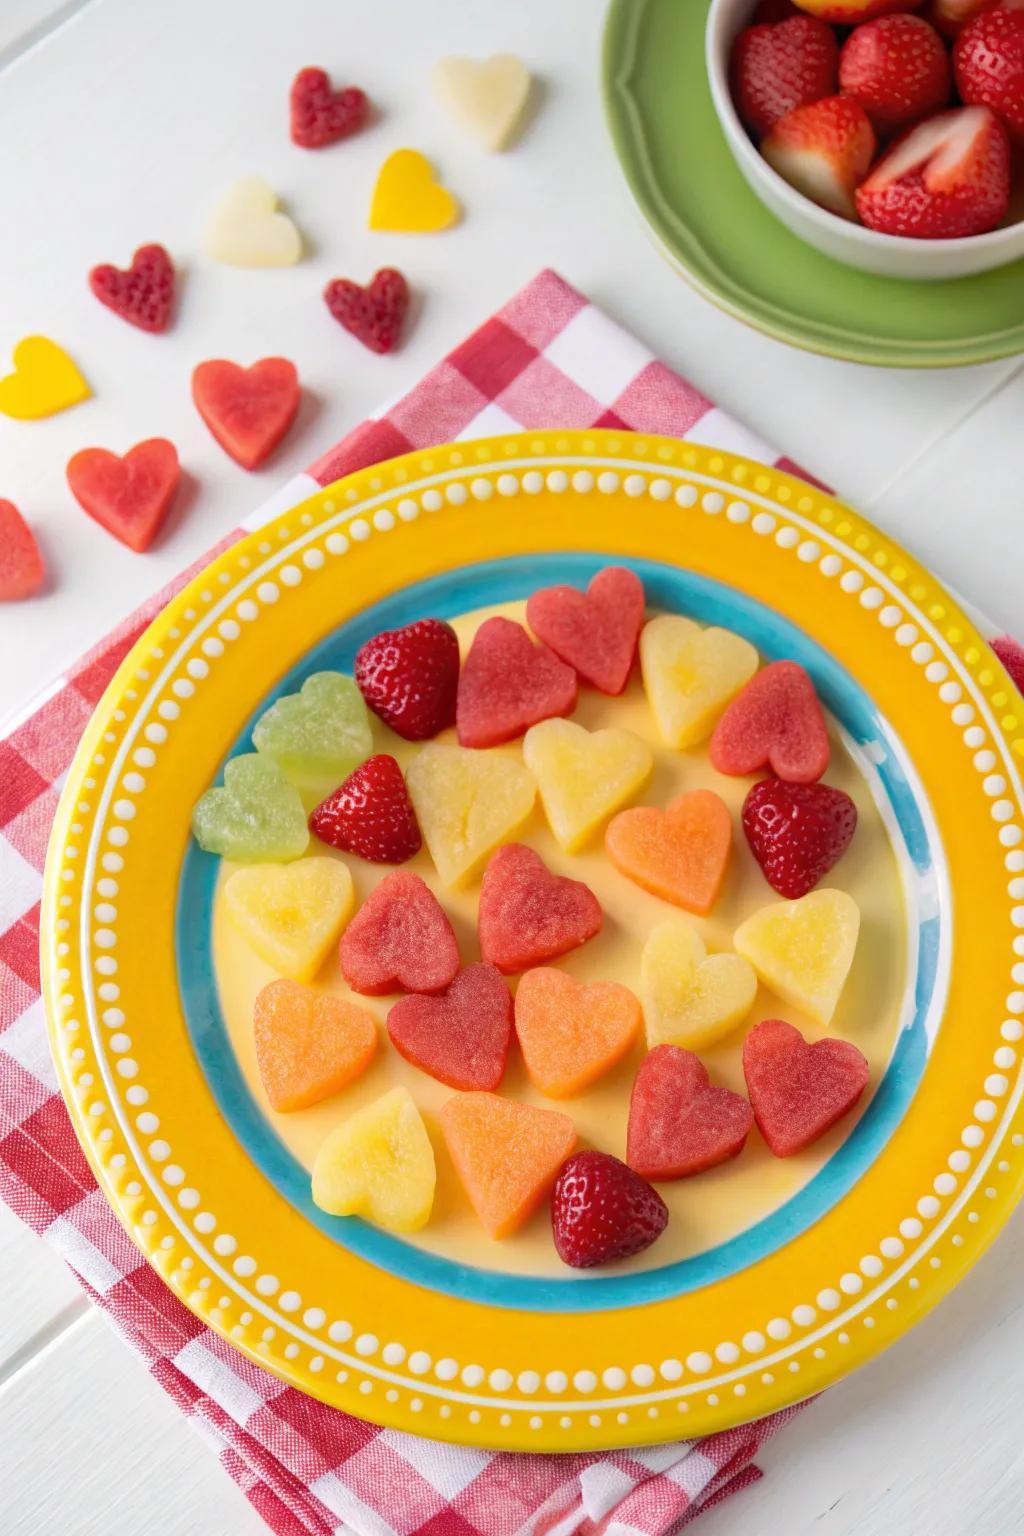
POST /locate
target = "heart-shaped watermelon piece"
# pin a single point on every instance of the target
(680, 1123)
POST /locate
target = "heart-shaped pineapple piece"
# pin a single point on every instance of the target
(484, 97)
(318, 735)
(691, 998)
(291, 914)
(571, 1033)
(247, 228)
(803, 949)
(467, 802)
(690, 674)
(584, 776)
(256, 816)
(379, 1164)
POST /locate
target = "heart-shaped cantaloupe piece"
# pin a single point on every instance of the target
(308, 1044)
(506, 1155)
(570, 1033)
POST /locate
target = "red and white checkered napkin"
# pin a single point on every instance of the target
(547, 359)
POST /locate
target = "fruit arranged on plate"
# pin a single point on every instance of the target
(485, 734)
(899, 119)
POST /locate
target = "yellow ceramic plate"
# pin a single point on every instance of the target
(419, 1338)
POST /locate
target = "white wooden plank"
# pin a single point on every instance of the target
(24, 24)
(40, 1296)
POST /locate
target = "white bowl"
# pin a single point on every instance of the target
(887, 255)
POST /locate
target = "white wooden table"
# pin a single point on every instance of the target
(121, 121)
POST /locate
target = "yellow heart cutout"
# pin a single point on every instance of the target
(466, 803)
(291, 914)
(247, 229)
(803, 949)
(690, 674)
(584, 776)
(408, 200)
(44, 381)
(379, 1163)
(691, 998)
(485, 97)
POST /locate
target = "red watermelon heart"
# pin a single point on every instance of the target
(679, 1123)
(400, 940)
(595, 631)
(21, 565)
(775, 722)
(129, 496)
(799, 1091)
(144, 294)
(461, 1037)
(508, 684)
(527, 915)
(248, 410)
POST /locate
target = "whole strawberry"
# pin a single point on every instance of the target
(949, 177)
(602, 1211)
(797, 832)
(897, 68)
(410, 677)
(370, 814)
(778, 67)
(374, 314)
(989, 64)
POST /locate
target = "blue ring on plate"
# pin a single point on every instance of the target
(670, 589)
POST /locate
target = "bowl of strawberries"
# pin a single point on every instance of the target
(889, 134)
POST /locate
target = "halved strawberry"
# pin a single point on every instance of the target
(778, 67)
(948, 177)
(897, 68)
(824, 150)
(989, 64)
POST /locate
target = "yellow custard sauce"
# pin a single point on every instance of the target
(704, 1211)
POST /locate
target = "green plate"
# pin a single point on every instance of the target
(737, 254)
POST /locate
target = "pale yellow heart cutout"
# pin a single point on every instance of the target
(486, 98)
(803, 949)
(291, 914)
(584, 776)
(691, 998)
(379, 1163)
(247, 228)
(45, 380)
(690, 674)
(466, 803)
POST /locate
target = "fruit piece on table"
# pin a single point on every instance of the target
(318, 735)
(776, 68)
(823, 150)
(570, 1033)
(850, 12)
(292, 914)
(506, 1154)
(400, 940)
(948, 177)
(689, 997)
(527, 915)
(690, 674)
(799, 1091)
(372, 314)
(898, 69)
(679, 1122)
(321, 115)
(797, 832)
(583, 776)
(248, 229)
(467, 803)
(989, 64)
(461, 1037)
(776, 723)
(595, 631)
(408, 199)
(144, 294)
(803, 949)
(679, 854)
(409, 677)
(256, 817)
(484, 97)
(508, 684)
(1011, 654)
(602, 1211)
(309, 1045)
(379, 1164)
(248, 410)
(22, 571)
(370, 814)
(45, 380)
(129, 496)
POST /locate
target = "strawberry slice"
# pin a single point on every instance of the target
(508, 684)
(248, 410)
(602, 1211)
(989, 64)
(799, 1091)
(461, 1037)
(400, 940)
(144, 294)
(321, 115)
(823, 150)
(797, 832)
(679, 1123)
(898, 69)
(129, 497)
(946, 178)
(409, 677)
(775, 68)
(374, 314)
(370, 814)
